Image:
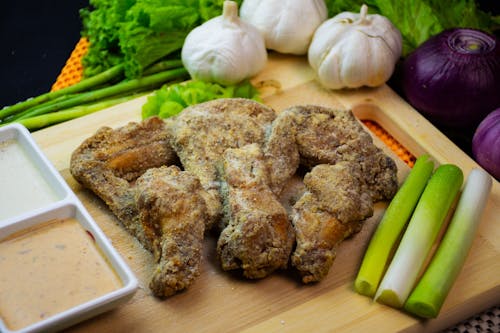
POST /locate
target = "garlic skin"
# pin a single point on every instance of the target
(352, 50)
(287, 25)
(224, 49)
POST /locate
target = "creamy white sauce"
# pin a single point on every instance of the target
(48, 269)
(22, 185)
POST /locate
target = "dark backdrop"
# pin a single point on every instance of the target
(36, 39)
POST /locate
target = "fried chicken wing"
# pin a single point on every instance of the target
(110, 160)
(201, 133)
(238, 157)
(173, 212)
(329, 136)
(348, 174)
(258, 237)
(130, 150)
(161, 206)
(333, 207)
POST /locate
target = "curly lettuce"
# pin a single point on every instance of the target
(139, 33)
(172, 99)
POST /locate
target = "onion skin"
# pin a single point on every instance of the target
(453, 78)
(486, 144)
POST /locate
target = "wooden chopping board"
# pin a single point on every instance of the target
(223, 302)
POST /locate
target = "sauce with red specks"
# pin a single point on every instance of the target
(49, 268)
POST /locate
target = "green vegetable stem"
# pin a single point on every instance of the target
(423, 229)
(162, 66)
(392, 225)
(141, 84)
(430, 293)
(52, 118)
(90, 95)
(85, 84)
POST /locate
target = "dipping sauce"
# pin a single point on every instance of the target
(22, 185)
(50, 268)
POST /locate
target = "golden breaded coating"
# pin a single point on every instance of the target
(161, 206)
(329, 136)
(201, 133)
(110, 160)
(241, 162)
(281, 153)
(333, 208)
(173, 214)
(258, 238)
(130, 150)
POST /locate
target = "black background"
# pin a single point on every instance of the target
(36, 39)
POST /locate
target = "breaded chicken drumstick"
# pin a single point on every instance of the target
(258, 237)
(173, 212)
(332, 209)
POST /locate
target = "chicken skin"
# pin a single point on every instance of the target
(348, 174)
(172, 211)
(281, 152)
(333, 207)
(258, 237)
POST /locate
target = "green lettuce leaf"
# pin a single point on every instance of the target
(172, 99)
(417, 20)
(139, 33)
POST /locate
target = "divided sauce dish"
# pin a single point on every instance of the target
(49, 243)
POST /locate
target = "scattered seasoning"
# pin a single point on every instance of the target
(91, 235)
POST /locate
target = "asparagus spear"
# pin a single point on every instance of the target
(44, 120)
(85, 84)
(144, 83)
(163, 66)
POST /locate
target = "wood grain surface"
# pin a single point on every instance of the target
(224, 302)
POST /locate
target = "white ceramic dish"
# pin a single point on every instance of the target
(27, 151)
(65, 205)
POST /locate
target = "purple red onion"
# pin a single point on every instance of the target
(453, 78)
(486, 144)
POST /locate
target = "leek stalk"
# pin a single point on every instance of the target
(430, 293)
(392, 225)
(423, 229)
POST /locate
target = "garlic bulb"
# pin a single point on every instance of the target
(224, 49)
(287, 25)
(353, 50)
